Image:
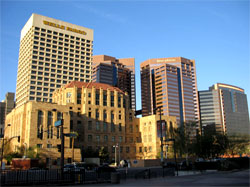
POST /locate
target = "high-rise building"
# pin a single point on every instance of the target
(52, 53)
(116, 72)
(170, 83)
(5, 107)
(224, 107)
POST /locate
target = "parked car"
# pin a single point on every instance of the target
(185, 166)
(106, 168)
(169, 165)
(70, 168)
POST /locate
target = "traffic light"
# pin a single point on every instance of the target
(59, 147)
(18, 138)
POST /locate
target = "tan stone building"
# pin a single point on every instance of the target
(99, 113)
(33, 122)
(150, 146)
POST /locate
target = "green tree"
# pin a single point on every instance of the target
(103, 155)
(238, 145)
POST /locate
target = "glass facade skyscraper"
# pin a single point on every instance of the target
(225, 107)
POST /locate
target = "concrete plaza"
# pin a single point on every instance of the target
(220, 178)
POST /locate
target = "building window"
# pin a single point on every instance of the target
(49, 124)
(112, 100)
(89, 138)
(104, 99)
(120, 127)
(113, 138)
(104, 115)
(105, 128)
(131, 128)
(89, 125)
(127, 149)
(112, 116)
(97, 114)
(121, 149)
(98, 126)
(105, 138)
(79, 98)
(140, 149)
(40, 125)
(98, 138)
(112, 127)
(120, 139)
(97, 98)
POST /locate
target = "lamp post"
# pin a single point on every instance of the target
(3, 146)
(115, 146)
(62, 143)
(25, 149)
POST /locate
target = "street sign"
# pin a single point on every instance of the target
(58, 123)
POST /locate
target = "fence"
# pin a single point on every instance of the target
(54, 176)
(28, 177)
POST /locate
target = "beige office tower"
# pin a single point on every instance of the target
(170, 83)
(52, 53)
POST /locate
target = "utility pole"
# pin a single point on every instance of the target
(62, 145)
(62, 142)
(161, 139)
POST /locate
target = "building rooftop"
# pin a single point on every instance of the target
(96, 85)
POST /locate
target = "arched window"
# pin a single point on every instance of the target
(40, 124)
(59, 115)
(50, 118)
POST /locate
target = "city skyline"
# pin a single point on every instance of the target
(214, 32)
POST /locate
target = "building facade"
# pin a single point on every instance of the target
(6, 107)
(100, 115)
(150, 146)
(52, 53)
(225, 107)
(116, 72)
(170, 83)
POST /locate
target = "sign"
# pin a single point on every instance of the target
(64, 28)
(161, 125)
(166, 60)
(58, 123)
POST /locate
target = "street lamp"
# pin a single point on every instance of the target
(115, 146)
(25, 149)
(161, 138)
(3, 146)
(62, 142)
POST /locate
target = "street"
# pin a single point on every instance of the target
(222, 178)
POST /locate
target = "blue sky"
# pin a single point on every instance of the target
(214, 33)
